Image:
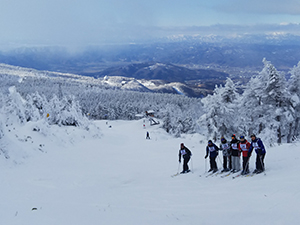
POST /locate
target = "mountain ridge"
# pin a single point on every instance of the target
(114, 82)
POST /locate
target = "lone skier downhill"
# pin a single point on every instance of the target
(147, 135)
(186, 155)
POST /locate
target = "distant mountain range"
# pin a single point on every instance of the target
(21, 77)
(243, 51)
(159, 71)
(197, 62)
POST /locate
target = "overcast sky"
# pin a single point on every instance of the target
(95, 21)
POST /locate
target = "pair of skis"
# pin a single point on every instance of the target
(176, 174)
(212, 174)
(230, 173)
(223, 176)
(227, 174)
(246, 175)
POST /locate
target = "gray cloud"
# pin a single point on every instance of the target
(78, 22)
(288, 7)
(73, 21)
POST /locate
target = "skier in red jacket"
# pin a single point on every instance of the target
(244, 146)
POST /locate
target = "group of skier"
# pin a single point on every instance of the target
(231, 155)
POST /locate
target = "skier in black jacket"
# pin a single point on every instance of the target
(212, 151)
(235, 154)
(186, 155)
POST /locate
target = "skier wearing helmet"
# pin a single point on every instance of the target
(186, 155)
(235, 154)
(212, 151)
(244, 146)
(225, 148)
(260, 150)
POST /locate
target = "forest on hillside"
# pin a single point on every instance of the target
(269, 105)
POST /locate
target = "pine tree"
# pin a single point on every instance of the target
(266, 105)
(294, 89)
(210, 118)
(167, 122)
(221, 110)
(277, 98)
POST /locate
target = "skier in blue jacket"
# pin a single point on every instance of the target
(260, 150)
(212, 151)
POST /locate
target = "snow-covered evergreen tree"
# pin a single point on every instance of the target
(253, 105)
(14, 106)
(276, 102)
(221, 111)
(167, 124)
(230, 100)
(1, 115)
(264, 105)
(294, 90)
(66, 111)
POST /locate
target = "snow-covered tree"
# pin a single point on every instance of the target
(265, 104)
(221, 111)
(294, 90)
(167, 124)
(251, 105)
(276, 99)
(14, 106)
(66, 111)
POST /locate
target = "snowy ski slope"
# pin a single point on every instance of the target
(64, 176)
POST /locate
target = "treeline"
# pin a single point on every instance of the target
(269, 106)
(72, 103)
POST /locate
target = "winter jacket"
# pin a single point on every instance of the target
(258, 146)
(212, 150)
(185, 153)
(244, 147)
(225, 147)
(234, 146)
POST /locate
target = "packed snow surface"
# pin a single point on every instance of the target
(64, 176)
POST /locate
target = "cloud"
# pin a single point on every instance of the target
(78, 22)
(74, 21)
(288, 7)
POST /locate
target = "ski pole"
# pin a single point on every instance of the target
(262, 165)
(177, 170)
(219, 159)
(192, 165)
(246, 165)
(178, 167)
(205, 166)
